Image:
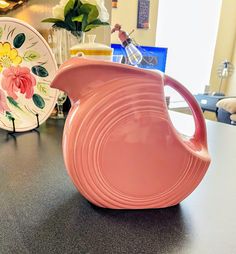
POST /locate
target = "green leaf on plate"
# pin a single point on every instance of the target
(13, 102)
(42, 88)
(19, 40)
(31, 56)
(1, 32)
(9, 116)
(40, 71)
(38, 101)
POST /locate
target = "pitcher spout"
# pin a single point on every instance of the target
(79, 77)
(71, 79)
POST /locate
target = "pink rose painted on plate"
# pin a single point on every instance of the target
(3, 103)
(18, 79)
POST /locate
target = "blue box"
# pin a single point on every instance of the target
(153, 57)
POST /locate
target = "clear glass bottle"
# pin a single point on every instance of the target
(133, 54)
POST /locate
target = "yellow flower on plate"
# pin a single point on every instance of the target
(8, 56)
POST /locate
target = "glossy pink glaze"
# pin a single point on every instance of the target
(120, 147)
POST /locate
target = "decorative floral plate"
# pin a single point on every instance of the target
(27, 67)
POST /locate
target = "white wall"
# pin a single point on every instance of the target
(225, 47)
(231, 86)
(188, 28)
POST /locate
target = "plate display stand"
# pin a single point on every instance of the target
(14, 127)
(27, 67)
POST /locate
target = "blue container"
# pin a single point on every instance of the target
(153, 57)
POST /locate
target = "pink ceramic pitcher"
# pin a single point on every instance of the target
(120, 147)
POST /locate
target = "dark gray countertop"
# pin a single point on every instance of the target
(42, 212)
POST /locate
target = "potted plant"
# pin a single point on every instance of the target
(79, 16)
(73, 18)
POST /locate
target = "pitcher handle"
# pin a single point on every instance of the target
(200, 134)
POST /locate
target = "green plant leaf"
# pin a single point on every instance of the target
(94, 24)
(9, 116)
(99, 22)
(42, 88)
(1, 32)
(40, 71)
(78, 18)
(69, 6)
(61, 24)
(93, 14)
(19, 40)
(68, 20)
(77, 4)
(52, 20)
(89, 27)
(38, 101)
(91, 11)
(13, 102)
(84, 22)
(75, 11)
(31, 56)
